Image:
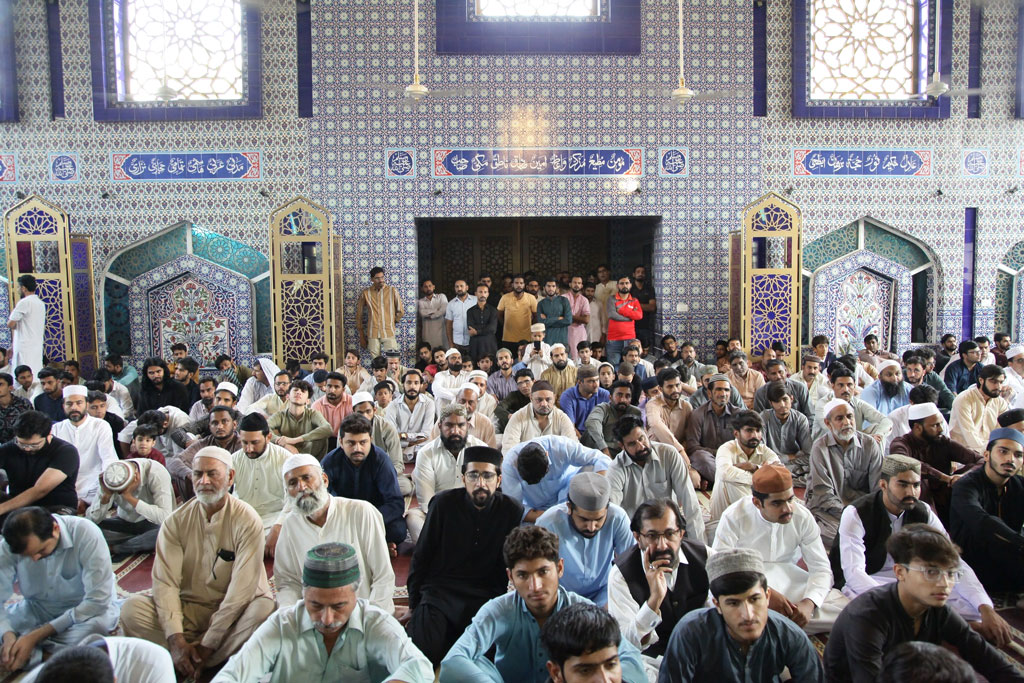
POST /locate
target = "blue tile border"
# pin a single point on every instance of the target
(304, 54)
(974, 49)
(1018, 97)
(107, 108)
(760, 57)
(56, 59)
(970, 233)
(8, 75)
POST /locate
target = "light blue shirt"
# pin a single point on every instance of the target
(71, 585)
(507, 623)
(456, 312)
(566, 457)
(875, 397)
(588, 560)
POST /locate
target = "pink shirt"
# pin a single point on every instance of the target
(579, 305)
(333, 414)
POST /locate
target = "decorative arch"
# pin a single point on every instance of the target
(1009, 304)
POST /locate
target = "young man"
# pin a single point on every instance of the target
(537, 473)
(383, 309)
(787, 431)
(51, 400)
(142, 504)
(503, 382)
(431, 308)
(736, 461)
(511, 623)
(299, 428)
(599, 427)
(11, 407)
(579, 306)
(555, 312)
(91, 437)
(455, 321)
(28, 386)
(159, 389)
(622, 312)
(257, 465)
(582, 641)
(976, 410)
(26, 322)
(962, 373)
(482, 325)
(516, 311)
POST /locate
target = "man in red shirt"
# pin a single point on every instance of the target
(623, 311)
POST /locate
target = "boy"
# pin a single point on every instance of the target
(143, 442)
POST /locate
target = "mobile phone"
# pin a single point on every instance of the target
(536, 346)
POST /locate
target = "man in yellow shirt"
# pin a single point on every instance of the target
(516, 311)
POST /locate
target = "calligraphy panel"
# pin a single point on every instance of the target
(184, 166)
(622, 162)
(879, 163)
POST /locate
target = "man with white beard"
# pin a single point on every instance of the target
(315, 517)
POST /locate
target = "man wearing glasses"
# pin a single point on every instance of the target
(41, 469)
(927, 567)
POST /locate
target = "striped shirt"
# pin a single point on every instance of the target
(385, 307)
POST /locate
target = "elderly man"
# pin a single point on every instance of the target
(787, 431)
(257, 465)
(539, 418)
(140, 490)
(412, 414)
(298, 428)
(385, 437)
(772, 523)
(710, 426)
(210, 588)
(844, 466)
(561, 374)
(316, 517)
(479, 426)
(736, 461)
(332, 632)
(866, 418)
(486, 403)
(91, 437)
(889, 392)
(439, 463)
(223, 422)
(537, 472)
(645, 471)
(600, 423)
(976, 410)
(457, 565)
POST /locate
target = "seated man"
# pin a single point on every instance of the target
(776, 371)
(486, 403)
(143, 497)
(889, 391)
(223, 434)
(703, 646)
(976, 410)
(579, 401)
(561, 374)
(315, 516)
(539, 418)
(62, 568)
(927, 567)
(479, 426)
(335, 405)
(210, 588)
(258, 384)
(709, 426)
(91, 437)
(51, 400)
(224, 394)
(537, 472)
(787, 431)
(28, 386)
(207, 386)
(599, 430)
(581, 639)
(644, 471)
(961, 374)
(333, 632)
(510, 624)
(860, 561)
(987, 513)
(447, 380)
(412, 414)
(275, 400)
(385, 437)
(41, 470)
(743, 378)
(844, 466)
(772, 523)
(657, 582)
(866, 419)
(592, 531)
(514, 400)
(11, 407)
(872, 354)
(299, 428)
(668, 413)
(358, 469)
(736, 461)
(810, 375)
(257, 465)
(457, 565)
(106, 659)
(171, 437)
(439, 464)
(703, 393)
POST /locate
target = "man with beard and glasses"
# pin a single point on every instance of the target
(91, 437)
(412, 415)
(579, 306)
(889, 392)
(257, 466)
(976, 411)
(210, 588)
(223, 423)
(335, 405)
(503, 382)
(275, 400)
(333, 634)
(592, 531)
(987, 513)
(962, 373)
(736, 462)
(600, 424)
(561, 374)
(579, 401)
(510, 625)
(937, 454)
(439, 463)
(457, 565)
(643, 471)
(516, 311)
(860, 561)
(774, 524)
(787, 431)
(844, 467)
(654, 584)
(314, 517)
(482, 325)
(538, 418)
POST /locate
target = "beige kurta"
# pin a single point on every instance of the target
(561, 380)
(731, 482)
(479, 426)
(259, 483)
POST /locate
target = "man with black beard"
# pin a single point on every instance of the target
(562, 373)
(889, 392)
(599, 429)
(458, 563)
(503, 382)
(644, 471)
(976, 411)
(159, 389)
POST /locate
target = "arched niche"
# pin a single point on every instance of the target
(1009, 299)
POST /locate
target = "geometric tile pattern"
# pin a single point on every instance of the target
(863, 305)
(771, 308)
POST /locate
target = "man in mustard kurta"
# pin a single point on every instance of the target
(210, 588)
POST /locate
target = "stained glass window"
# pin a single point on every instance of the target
(538, 8)
(863, 49)
(180, 50)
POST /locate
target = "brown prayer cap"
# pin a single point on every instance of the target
(772, 479)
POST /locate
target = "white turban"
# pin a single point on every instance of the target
(1014, 351)
(269, 368)
(478, 374)
(452, 352)
(557, 346)
(361, 397)
(464, 387)
(919, 411)
(75, 390)
(888, 363)
(229, 387)
(297, 460)
(216, 453)
(833, 404)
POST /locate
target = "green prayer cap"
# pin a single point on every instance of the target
(330, 565)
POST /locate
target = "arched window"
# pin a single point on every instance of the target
(1009, 300)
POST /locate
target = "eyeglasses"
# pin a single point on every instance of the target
(932, 574)
(669, 535)
(29, 447)
(477, 476)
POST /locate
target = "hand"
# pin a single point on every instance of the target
(82, 507)
(992, 627)
(878, 438)
(403, 614)
(746, 466)
(268, 549)
(803, 612)
(182, 653)
(472, 331)
(954, 478)
(200, 656)
(778, 602)
(20, 652)
(8, 646)
(656, 572)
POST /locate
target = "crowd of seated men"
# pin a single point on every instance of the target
(540, 441)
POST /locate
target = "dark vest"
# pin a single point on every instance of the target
(689, 593)
(877, 530)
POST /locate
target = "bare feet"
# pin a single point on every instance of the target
(393, 549)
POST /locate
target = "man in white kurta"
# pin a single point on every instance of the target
(539, 418)
(976, 410)
(1015, 375)
(314, 517)
(91, 436)
(737, 460)
(27, 323)
(775, 525)
(258, 471)
(412, 414)
(142, 506)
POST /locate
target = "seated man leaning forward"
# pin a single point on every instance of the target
(510, 624)
(210, 588)
(331, 635)
(140, 490)
(582, 642)
(62, 567)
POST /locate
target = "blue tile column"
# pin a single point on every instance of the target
(970, 233)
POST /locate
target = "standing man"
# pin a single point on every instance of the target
(555, 312)
(622, 312)
(643, 292)
(482, 325)
(596, 323)
(27, 323)
(455, 317)
(515, 313)
(431, 307)
(383, 309)
(579, 306)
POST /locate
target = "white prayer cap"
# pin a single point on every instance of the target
(75, 390)
(888, 363)
(216, 453)
(228, 386)
(1014, 351)
(833, 404)
(475, 388)
(478, 373)
(452, 352)
(269, 368)
(537, 327)
(558, 346)
(361, 397)
(920, 411)
(297, 460)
